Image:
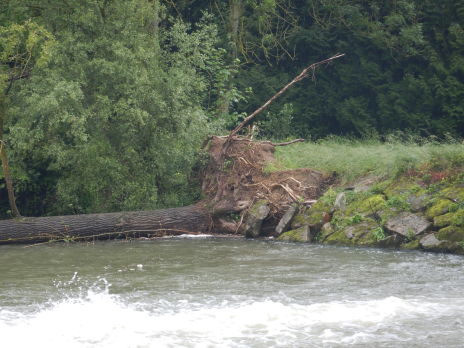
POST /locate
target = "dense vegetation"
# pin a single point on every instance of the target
(104, 104)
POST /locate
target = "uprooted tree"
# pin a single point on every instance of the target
(233, 181)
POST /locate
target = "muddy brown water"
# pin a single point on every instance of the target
(197, 292)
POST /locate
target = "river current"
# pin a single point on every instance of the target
(228, 293)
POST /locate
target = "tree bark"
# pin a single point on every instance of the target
(192, 219)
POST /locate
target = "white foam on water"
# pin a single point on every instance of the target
(100, 319)
(192, 236)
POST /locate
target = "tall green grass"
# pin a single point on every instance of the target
(355, 158)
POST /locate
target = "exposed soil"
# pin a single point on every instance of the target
(236, 177)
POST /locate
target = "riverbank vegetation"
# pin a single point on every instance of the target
(351, 159)
(115, 117)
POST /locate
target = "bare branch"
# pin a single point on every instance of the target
(300, 77)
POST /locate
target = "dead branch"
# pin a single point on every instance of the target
(288, 142)
(300, 77)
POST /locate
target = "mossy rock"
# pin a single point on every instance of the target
(359, 234)
(454, 218)
(366, 205)
(326, 230)
(418, 201)
(412, 245)
(451, 233)
(439, 207)
(402, 186)
(314, 216)
(454, 192)
(392, 241)
(301, 235)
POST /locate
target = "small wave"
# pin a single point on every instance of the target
(104, 320)
(195, 236)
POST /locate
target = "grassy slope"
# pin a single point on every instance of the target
(354, 158)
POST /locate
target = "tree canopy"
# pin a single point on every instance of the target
(113, 117)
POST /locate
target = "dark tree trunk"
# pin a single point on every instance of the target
(192, 219)
(5, 165)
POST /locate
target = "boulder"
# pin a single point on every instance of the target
(286, 219)
(254, 218)
(407, 224)
(326, 230)
(392, 241)
(365, 183)
(359, 234)
(302, 234)
(430, 242)
(451, 233)
(454, 218)
(440, 207)
(314, 217)
(419, 202)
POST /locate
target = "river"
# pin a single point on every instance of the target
(197, 292)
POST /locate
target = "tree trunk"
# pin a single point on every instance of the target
(192, 219)
(5, 166)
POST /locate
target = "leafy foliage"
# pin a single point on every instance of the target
(116, 119)
(124, 92)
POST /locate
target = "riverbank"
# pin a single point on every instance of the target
(407, 195)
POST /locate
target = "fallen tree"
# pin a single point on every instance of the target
(155, 223)
(231, 185)
(233, 181)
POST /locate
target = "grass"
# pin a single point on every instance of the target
(356, 158)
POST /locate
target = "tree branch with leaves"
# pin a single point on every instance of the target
(23, 47)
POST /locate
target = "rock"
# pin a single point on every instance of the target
(254, 219)
(430, 241)
(302, 234)
(286, 219)
(359, 234)
(365, 184)
(440, 207)
(367, 206)
(340, 202)
(408, 224)
(349, 233)
(313, 217)
(392, 241)
(418, 203)
(327, 228)
(412, 245)
(451, 233)
(443, 220)
(454, 218)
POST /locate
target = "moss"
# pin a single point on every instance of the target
(300, 235)
(458, 219)
(454, 218)
(338, 238)
(439, 207)
(360, 234)
(366, 205)
(326, 230)
(451, 233)
(453, 192)
(312, 216)
(404, 185)
(412, 245)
